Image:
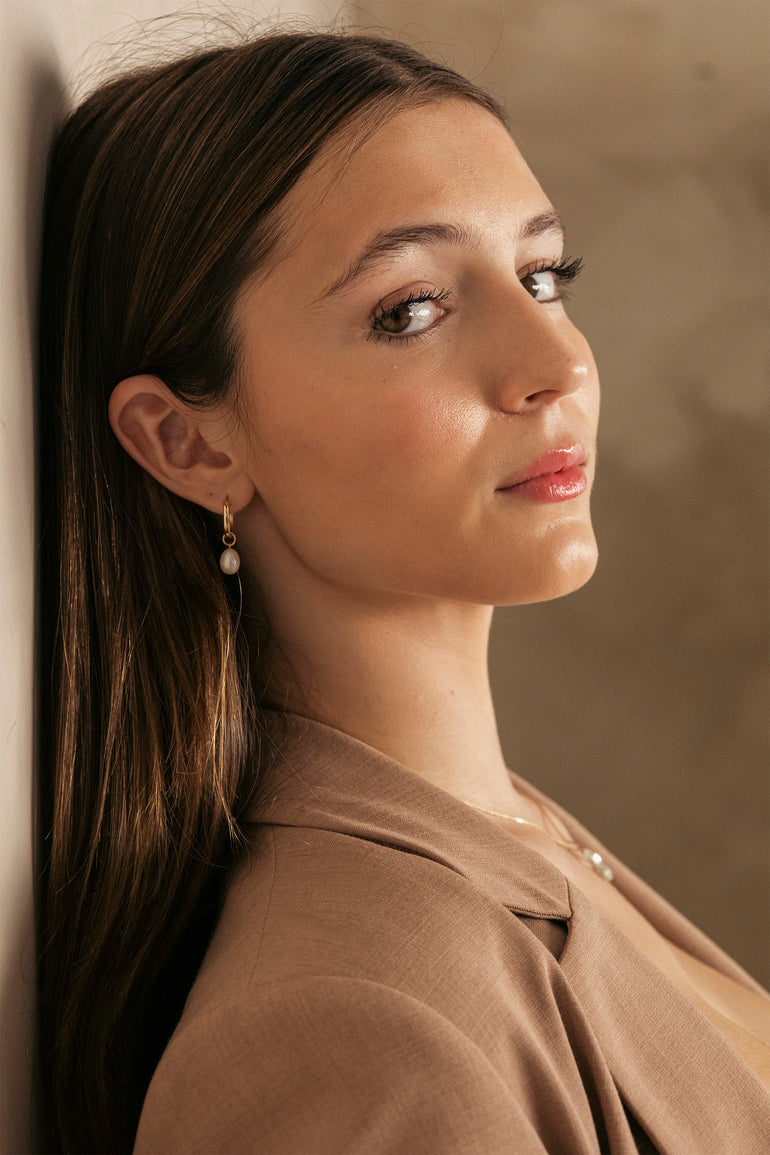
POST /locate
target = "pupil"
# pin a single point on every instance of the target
(397, 320)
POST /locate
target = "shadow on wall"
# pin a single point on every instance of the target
(33, 102)
(46, 106)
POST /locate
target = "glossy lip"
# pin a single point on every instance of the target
(552, 463)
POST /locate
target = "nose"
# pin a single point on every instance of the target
(536, 356)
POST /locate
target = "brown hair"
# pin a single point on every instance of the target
(160, 203)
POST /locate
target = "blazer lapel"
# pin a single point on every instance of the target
(617, 999)
(324, 779)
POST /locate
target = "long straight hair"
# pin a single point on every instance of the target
(161, 201)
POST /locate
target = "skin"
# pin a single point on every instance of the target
(364, 468)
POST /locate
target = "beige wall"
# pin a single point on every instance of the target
(25, 114)
(641, 701)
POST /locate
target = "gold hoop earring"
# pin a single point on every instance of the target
(229, 561)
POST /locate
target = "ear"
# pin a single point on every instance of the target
(197, 454)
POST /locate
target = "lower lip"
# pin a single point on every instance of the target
(560, 486)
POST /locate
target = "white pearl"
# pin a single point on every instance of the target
(597, 862)
(230, 561)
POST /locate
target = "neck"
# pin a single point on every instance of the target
(405, 675)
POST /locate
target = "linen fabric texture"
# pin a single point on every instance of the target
(393, 972)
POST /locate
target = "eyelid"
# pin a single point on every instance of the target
(565, 269)
(422, 291)
(395, 301)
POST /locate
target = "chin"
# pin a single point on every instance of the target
(553, 575)
(568, 571)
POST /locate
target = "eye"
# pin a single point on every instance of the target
(543, 286)
(547, 281)
(410, 317)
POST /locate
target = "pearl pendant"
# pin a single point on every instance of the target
(229, 561)
(594, 859)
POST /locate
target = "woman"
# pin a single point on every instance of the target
(303, 303)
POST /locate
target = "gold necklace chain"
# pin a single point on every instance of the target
(590, 857)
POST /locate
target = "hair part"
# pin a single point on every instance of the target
(163, 198)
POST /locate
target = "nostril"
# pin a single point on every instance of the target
(534, 401)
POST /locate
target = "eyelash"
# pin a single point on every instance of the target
(564, 270)
(413, 299)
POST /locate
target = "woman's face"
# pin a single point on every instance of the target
(407, 362)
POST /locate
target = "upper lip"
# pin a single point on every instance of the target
(552, 461)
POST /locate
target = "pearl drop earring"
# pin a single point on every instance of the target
(229, 561)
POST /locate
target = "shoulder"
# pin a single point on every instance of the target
(314, 902)
(329, 1064)
(360, 998)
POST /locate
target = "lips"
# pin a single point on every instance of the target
(556, 476)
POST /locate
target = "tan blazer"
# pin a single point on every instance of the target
(394, 973)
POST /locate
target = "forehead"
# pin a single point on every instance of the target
(450, 160)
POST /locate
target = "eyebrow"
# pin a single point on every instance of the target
(395, 240)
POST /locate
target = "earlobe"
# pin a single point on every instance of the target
(176, 445)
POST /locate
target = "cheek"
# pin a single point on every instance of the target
(341, 448)
(376, 434)
(418, 422)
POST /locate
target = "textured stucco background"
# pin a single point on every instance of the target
(641, 701)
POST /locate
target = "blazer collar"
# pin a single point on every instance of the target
(322, 778)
